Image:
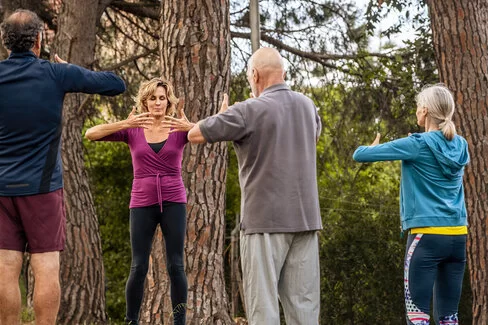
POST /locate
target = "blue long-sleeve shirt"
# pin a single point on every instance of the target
(31, 101)
(431, 186)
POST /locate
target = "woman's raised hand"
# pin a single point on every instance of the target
(179, 124)
(57, 59)
(376, 140)
(225, 104)
(143, 120)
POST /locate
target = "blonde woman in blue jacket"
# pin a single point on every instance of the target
(432, 207)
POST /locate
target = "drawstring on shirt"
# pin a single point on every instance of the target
(160, 195)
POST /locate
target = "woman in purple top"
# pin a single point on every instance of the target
(158, 195)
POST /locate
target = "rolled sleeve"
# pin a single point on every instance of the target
(227, 126)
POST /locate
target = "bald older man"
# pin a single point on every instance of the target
(274, 136)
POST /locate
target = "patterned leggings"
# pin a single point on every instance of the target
(434, 264)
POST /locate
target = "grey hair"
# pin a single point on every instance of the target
(20, 29)
(440, 105)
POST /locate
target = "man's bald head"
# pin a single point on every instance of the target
(265, 68)
(268, 59)
(20, 30)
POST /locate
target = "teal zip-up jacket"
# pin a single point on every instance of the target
(431, 186)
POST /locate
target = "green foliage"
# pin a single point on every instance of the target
(361, 250)
(27, 315)
(409, 12)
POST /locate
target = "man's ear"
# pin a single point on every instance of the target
(37, 44)
(255, 75)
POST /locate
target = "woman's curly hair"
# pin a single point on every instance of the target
(19, 30)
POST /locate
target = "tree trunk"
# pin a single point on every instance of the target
(3, 50)
(195, 57)
(460, 32)
(82, 273)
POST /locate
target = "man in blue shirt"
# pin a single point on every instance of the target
(32, 214)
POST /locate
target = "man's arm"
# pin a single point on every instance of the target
(73, 78)
(227, 125)
(195, 135)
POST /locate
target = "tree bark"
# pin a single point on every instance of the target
(195, 57)
(82, 272)
(460, 32)
(3, 50)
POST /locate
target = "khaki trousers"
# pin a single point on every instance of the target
(281, 267)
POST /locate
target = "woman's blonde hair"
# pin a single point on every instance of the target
(148, 88)
(440, 105)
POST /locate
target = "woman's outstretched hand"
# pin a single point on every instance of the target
(179, 124)
(143, 120)
(376, 140)
(57, 59)
(225, 104)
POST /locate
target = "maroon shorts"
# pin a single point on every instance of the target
(33, 223)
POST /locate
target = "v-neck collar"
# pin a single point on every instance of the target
(157, 146)
(148, 147)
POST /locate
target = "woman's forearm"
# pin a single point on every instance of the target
(99, 131)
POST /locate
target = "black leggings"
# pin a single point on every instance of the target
(143, 224)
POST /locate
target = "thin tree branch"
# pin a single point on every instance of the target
(123, 32)
(131, 59)
(140, 71)
(239, 11)
(316, 57)
(102, 5)
(137, 25)
(307, 55)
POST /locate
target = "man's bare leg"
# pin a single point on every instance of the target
(47, 289)
(10, 303)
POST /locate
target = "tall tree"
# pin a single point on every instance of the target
(195, 57)
(3, 50)
(82, 272)
(460, 36)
